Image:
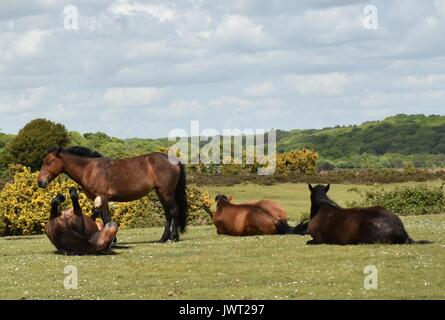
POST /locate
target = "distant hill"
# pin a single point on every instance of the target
(401, 135)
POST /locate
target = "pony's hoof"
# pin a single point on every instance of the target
(112, 225)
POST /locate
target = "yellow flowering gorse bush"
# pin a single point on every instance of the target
(148, 211)
(297, 161)
(25, 208)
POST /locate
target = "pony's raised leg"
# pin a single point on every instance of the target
(75, 200)
(55, 203)
(77, 209)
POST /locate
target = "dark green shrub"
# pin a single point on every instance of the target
(30, 145)
(325, 165)
(404, 200)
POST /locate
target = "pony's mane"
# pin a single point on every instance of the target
(79, 151)
(320, 200)
(84, 152)
(328, 202)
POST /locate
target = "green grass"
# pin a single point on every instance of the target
(207, 266)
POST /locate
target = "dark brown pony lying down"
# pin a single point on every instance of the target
(72, 232)
(331, 224)
(264, 217)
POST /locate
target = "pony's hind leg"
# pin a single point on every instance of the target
(75, 200)
(171, 217)
(167, 229)
(174, 214)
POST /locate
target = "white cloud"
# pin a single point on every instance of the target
(329, 84)
(237, 31)
(23, 101)
(24, 45)
(131, 97)
(262, 89)
(225, 62)
(424, 81)
(231, 104)
(161, 12)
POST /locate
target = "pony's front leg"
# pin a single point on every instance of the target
(102, 209)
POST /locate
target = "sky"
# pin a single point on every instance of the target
(143, 68)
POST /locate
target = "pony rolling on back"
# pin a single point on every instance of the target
(331, 224)
(264, 217)
(72, 232)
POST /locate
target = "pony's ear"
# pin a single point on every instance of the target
(230, 198)
(59, 150)
(326, 189)
(311, 188)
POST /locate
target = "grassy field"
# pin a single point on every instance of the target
(207, 266)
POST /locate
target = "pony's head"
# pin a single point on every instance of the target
(224, 198)
(52, 166)
(320, 198)
(318, 189)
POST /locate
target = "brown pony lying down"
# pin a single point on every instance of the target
(331, 224)
(72, 232)
(264, 217)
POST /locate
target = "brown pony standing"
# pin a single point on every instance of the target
(72, 232)
(331, 224)
(264, 217)
(123, 180)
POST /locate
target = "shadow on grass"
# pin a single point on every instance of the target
(14, 238)
(72, 254)
(127, 244)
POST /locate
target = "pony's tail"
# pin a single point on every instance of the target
(411, 241)
(302, 229)
(181, 198)
(55, 203)
(284, 228)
